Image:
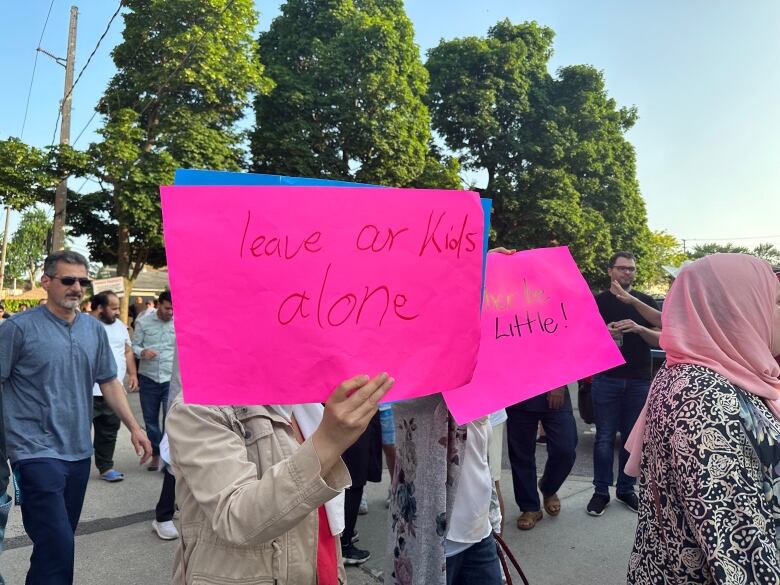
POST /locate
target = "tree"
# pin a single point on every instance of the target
(186, 70)
(27, 249)
(765, 251)
(23, 172)
(663, 250)
(768, 252)
(348, 102)
(560, 171)
(702, 250)
(480, 89)
(440, 171)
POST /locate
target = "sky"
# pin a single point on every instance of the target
(702, 73)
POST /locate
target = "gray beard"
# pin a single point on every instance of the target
(70, 304)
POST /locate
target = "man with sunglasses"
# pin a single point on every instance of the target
(50, 357)
(620, 393)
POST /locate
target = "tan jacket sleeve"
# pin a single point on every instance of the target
(212, 459)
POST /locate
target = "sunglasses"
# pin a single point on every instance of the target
(71, 280)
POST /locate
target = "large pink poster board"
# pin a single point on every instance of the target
(541, 329)
(280, 293)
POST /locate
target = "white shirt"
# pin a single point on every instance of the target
(470, 520)
(498, 417)
(118, 339)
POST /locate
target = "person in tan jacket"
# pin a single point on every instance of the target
(251, 486)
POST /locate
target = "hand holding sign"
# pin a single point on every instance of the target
(540, 330)
(347, 414)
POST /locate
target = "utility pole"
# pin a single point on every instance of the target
(61, 194)
(4, 248)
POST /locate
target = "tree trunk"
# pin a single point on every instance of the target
(123, 268)
(124, 302)
(4, 250)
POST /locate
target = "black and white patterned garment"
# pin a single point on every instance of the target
(710, 484)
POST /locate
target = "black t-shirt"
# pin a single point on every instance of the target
(635, 350)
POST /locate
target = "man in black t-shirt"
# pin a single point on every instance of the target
(620, 393)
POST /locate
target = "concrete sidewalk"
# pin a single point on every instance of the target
(116, 545)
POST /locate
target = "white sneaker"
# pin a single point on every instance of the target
(363, 508)
(165, 530)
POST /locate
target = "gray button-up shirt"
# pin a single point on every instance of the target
(47, 369)
(153, 333)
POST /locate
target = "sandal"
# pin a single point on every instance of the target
(528, 520)
(112, 475)
(552, 505)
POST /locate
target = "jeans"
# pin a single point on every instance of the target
(388, 426)
(5, 501)
(478, 564)
(617, 403)
(154, 398)
(561, 430)
(52, 494)
(106, 426)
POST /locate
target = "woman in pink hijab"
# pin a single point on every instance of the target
(709, 437)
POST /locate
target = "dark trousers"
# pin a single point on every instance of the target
(352, 497)
(52, 494)
(561, 431)
(166, 505)
(5, 501)
(4, 472)
(154, 405)
(106, 426)
(617, 403)
(478, 564)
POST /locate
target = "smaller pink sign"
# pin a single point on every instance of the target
(541, 329)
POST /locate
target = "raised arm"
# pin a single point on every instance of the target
(652, 314)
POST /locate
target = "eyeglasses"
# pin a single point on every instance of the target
(71, 280)
(625, 268)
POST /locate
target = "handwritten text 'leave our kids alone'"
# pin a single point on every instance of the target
(371, 305)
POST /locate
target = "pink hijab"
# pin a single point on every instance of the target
(719, 314)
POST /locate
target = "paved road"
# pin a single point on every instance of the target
(115, 543)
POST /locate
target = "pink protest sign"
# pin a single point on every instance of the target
(541, 329)
(283, 292)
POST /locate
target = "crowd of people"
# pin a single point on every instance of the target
(274, 491)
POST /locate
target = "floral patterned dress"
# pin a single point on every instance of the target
(710, 484)
(429, 456)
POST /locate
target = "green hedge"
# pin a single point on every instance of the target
(12, 305)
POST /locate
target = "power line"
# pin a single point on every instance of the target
(95, 113)
(56, 124)
(730, 239)
(35, 66)
(84, 184)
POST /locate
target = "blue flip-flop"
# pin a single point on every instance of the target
(112, 475)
